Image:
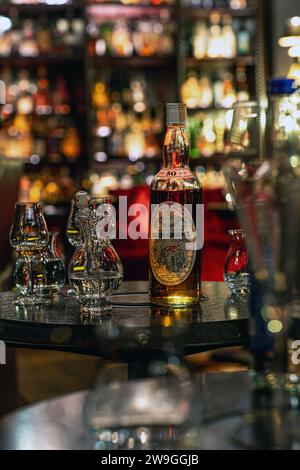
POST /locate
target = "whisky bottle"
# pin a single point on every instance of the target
(175, 221)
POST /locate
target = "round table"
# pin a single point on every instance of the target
(58, 424)
(219, 321)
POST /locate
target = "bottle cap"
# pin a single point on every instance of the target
(176, 113)
(282, 86)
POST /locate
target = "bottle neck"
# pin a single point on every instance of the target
(176, 147)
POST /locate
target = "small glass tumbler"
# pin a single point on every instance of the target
(236, 274)
(54, 266)
(29, 237)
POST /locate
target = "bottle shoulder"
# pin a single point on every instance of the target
(175, 180)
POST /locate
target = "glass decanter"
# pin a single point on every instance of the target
(236, 274)
(73, 230)
(95, 270)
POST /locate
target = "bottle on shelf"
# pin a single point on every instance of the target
(18, 141)
(144, 39)
(61, 98)
(60, 31)
(6, 44)
(200, 40)
(44, 36)
(229, 93)
(238, 4)
(208, 4)
(28, 46)
(71, 145)
(206, 143)
(165, 37)
(243, 93)
(121, 42)
(215, 40)
(206, 92)
(229, 49)
(218, 86)
(67, 34)
(152, 144)
(191, 92)
(43, 102)
(175, 264)
(244, 38)
(134, 141)
(78, 29)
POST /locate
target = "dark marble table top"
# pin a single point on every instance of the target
(219, 321)
(60, 422)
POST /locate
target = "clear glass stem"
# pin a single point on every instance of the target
(30, 278)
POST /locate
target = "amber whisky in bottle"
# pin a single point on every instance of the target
(175, 221)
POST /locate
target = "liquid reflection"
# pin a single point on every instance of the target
(29, 312)
(169, 316)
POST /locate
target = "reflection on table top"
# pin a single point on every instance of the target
(218, 321)
(61, 426)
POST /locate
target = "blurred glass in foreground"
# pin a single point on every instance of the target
(151, 403)
(266, 193)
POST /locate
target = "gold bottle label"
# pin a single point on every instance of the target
(167, 173)
(172, 229)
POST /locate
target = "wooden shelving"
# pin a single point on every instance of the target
(221, 61)
(211, 108)
(196, 12)
(63, 58)
(110, 9)
(217, 158)
(145, 6)
(39, 8)
(133, 61)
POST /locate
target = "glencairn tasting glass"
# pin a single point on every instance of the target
(29, 237)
